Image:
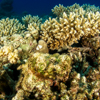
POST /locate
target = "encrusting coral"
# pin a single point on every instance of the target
(42, 47)
(41, 70)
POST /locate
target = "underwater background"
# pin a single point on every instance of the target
(39, 7)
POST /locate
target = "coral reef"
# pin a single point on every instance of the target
(58, 10)
(33, 29)
(42, 47)
(62, 33)
(30, 19)
(41, 71)
(58, 59)
(8, 53)
(10, 26)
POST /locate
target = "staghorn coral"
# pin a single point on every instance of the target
(58, 10)
(70, 28)
(10, 26)
(33, 29)
(89, 8)
(30, 19)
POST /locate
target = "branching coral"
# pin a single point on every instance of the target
(70, 28)
(10, 26)
(58, 10)
(30, 19)
(89, 8)
(33, 29)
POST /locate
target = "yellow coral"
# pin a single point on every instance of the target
(7, 53)
(58, 10)
(62, 33)
(10, 26)
(13, 57)
(8, 49)
(30, 19)
(33, 29)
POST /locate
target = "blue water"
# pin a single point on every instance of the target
(38, 7)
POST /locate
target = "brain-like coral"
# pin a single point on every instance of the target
(8, 54)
